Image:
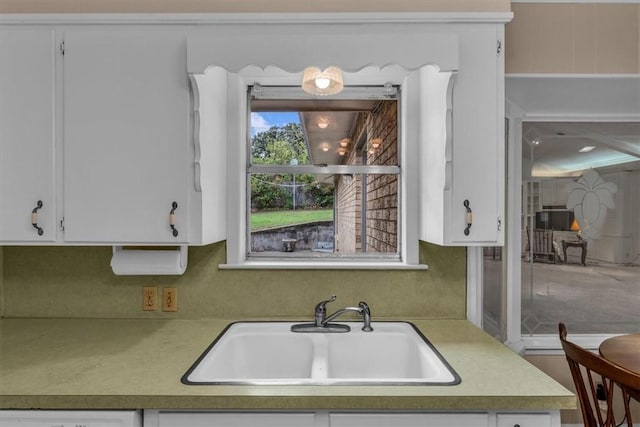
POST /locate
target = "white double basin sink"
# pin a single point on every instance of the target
(268, 353)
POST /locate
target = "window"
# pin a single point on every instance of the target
(568, 137)
(580, 259)
(323, 174)
(359, 208)
(225, 61)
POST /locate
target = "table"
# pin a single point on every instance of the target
(623, 350)
(582, 244)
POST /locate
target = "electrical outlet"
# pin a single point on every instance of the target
(149, 298)
(169, 299)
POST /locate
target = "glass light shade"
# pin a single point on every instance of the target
(322, 82)
(327, 82)
(323, 123)
(342, 151)
(325, 147)
(376, 142)
(344, 142)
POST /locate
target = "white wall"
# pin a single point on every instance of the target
(616, 243)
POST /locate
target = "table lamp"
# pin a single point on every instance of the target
(576, 227)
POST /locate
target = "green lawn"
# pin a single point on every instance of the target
(271, 219)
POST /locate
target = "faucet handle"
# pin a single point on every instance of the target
(322, 305)
(321, 310)
(364, 307)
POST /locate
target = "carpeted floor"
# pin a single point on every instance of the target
(598, 298)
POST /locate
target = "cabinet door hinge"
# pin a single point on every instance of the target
(62, 224)
(61, 47)
(499, 47)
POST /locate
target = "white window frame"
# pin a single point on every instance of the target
(237, 251)
(364, 93)
(540, 344)
(273, 50)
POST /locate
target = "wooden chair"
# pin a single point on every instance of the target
(586, 367)
(540, 243)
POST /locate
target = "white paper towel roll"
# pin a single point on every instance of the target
(135, 262)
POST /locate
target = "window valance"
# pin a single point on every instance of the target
(295, 47)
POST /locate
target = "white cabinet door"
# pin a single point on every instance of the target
(525, 420)
(478, 146)
(70, 419)
(228, 419)
(408, 420)
(548, 192)
(126, 114)
(27, 135)
(461, 131)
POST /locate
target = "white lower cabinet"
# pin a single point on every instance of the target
(70, 418)
(168, 418)
(390, 419)
(229, 419)
(526, 420)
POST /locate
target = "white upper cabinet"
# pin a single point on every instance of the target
(137, 126)
(27, 135)
(126, 139)
(461, 133)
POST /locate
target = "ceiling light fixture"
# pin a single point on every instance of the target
(344, 142)
(342, 151)
(373, 146)
(324, 147)
(323, 122)
(586, 148)
(327, 82)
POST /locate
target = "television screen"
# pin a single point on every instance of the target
(554, 220)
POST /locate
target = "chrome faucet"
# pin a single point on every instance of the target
(323, 322)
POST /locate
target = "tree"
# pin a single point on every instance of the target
(278, 146)
(268, 193)
(291, 134)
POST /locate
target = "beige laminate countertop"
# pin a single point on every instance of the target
(119, 363)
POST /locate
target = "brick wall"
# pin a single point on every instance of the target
(381, 190)
(348, 222)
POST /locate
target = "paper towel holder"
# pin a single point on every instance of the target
(149, 261)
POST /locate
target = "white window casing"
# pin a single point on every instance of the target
(276, 55)
(549, 98)
(374, 50)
